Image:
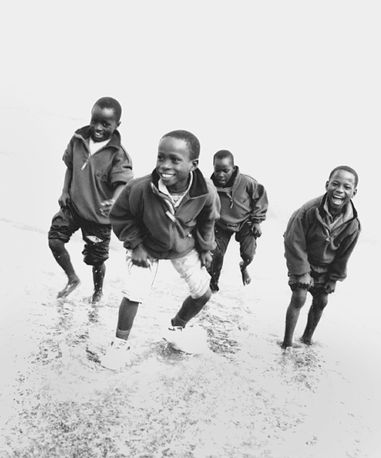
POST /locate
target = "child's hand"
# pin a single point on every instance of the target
(330, 286)
(256, 230)
(140, 257)
(106, 206)
(206, 258)
(64, 199)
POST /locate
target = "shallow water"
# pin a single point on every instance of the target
(243, 398)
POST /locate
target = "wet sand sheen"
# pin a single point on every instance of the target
(244, 398)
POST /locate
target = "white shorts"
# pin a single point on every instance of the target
(140, 280)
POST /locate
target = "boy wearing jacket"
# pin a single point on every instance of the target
(243, 208)
(168, 214)
(97, 168)
(319, 240)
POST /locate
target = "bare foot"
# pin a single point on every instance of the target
(70, 287)
(246, 279)
(97, 296)
(286, 345)
(305, 340)
(214, 286)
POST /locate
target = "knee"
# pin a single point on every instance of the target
(56, 245)
(205, 297)
(298, 298)
(320, 301)
(94, 257)
(247, 258)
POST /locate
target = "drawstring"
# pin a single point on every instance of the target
(170, 212)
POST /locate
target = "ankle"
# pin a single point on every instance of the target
(178, 322)
(123, 334)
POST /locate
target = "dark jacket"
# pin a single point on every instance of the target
(141, 215)
(245, 200)
(94, 177)
(308, 240)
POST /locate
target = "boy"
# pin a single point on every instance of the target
(169, 214)
(243, 208)
(98, 167)
(319, 240)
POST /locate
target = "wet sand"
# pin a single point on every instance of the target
(243, 398)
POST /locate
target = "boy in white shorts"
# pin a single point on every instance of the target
(169, 214)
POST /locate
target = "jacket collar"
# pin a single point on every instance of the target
(198, 187)
(84, 134)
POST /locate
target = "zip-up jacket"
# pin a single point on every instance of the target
(309, 241)
(94, 176)
(245, 200)
(144, 215)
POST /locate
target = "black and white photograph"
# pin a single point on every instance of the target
(189, 229)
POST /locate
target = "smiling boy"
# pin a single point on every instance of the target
(97, 168)
(243, 208)
(319, 240)
(168, 214)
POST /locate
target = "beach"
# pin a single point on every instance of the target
(245, 397)
(292, 89)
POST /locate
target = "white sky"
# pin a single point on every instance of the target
(292, 88)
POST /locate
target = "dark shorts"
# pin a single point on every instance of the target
(317, 286)
(96, 236)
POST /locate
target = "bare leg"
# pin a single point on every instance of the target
(247, 247)
(246, 279)
(298, 299)
(62, 257)
(127, 313)
(318, 304)
(98, 277)
(222, 241)
(190, 308)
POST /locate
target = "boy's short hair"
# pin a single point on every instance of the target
(109, 102)
(222, 154)
(346, 168)
(191, 140)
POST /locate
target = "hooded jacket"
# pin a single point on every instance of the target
(94, 176)
(245, 200)
(309, 240)
(144, 215)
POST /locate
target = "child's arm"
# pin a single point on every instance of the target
(124, 218)
(296, 246)
(140, 257)
(67, 157)
(106, 205)
(338, 268)
(206, 258)
(121, 173)
(204, 231)
(259, 208)
(260, 203)
(64, 198)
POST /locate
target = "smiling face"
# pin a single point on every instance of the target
(174, 163)
(341, 187)
(223, 170)
(103, 123)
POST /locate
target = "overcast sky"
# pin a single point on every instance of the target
(292, 88)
